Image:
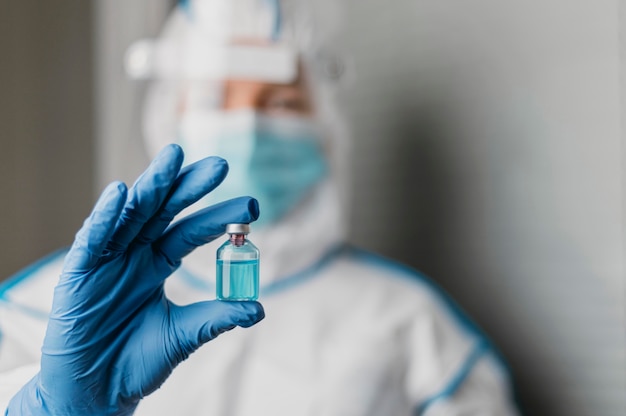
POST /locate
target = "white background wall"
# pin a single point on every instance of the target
(490, 131)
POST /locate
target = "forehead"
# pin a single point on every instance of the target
(251, 84)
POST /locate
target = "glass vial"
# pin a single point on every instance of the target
(237, 266)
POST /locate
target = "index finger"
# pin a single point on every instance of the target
(146, 196)
(204, 226)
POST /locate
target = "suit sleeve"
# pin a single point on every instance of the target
(25, 301)
(453, 368)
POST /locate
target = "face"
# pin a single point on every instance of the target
(277, 156)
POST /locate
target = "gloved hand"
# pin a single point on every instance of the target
(113, 337)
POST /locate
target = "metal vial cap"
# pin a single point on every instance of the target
(238, 228)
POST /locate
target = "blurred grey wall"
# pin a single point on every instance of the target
(491, 132)
(489, 154)
(46, 120)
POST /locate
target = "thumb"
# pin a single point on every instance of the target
(201, 322)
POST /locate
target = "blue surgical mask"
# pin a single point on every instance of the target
(277, 160)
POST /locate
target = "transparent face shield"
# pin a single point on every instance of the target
(215, 56)
(208, 50)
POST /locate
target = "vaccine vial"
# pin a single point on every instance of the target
(237, 266)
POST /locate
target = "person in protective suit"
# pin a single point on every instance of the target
(247, 96)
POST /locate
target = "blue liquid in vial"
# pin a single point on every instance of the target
(237, 280)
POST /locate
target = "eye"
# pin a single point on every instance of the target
(285, 100)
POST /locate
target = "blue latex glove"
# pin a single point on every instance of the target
(113, 337)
